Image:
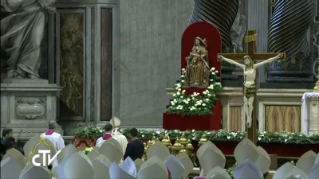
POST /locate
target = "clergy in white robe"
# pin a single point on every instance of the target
(116, 123)
(55, 138)
(108, 130)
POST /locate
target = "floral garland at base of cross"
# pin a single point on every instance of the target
(195, 104)
(220, 135)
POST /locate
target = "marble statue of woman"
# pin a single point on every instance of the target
(249, 81)
(197, 70)
(238, 32)
(22, 34)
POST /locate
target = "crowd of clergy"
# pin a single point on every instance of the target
(114, 157)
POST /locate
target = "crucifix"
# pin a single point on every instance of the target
(250, 78)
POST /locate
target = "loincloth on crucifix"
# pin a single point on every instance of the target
(250, 92)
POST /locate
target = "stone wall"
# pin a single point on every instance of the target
(150, 41)
(131, 53)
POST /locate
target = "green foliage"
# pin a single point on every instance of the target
(288, 138)
(87, 150)
(221, 135)
(230, 170)
(89, 131)
(195, 104)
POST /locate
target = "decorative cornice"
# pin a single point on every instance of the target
(86, 2)
(27, 88)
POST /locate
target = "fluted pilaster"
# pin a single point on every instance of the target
(288, 33)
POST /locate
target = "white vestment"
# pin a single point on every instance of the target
(58, 143)
(121, 139)
(99, 142)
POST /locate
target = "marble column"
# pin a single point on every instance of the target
(295, 72)
(258, 15)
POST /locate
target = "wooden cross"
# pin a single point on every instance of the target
(250, 39)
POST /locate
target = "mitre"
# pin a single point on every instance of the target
(116, 122)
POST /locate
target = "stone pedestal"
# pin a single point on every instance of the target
(296, 68)
(310, 112)
(27, 105)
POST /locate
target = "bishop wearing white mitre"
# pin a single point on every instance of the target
(55, 138)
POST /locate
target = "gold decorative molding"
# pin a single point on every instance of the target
(251, 38)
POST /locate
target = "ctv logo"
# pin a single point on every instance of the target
(46, 154)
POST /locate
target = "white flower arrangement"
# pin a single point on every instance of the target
(195, 104)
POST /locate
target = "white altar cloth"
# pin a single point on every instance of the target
(305, 110)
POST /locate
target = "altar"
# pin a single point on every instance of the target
(278, 110)
(310, 113)
(275, 107)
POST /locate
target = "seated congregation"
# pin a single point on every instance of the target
(114, 158)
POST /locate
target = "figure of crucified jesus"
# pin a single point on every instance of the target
(249, 81)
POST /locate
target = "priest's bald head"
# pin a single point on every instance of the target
(52, 125)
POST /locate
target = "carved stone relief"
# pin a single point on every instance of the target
(239, 29)
(71, 76)
(30, 107)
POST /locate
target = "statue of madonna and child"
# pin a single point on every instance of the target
(197, 69)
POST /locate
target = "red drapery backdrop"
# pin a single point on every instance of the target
(213, 40)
